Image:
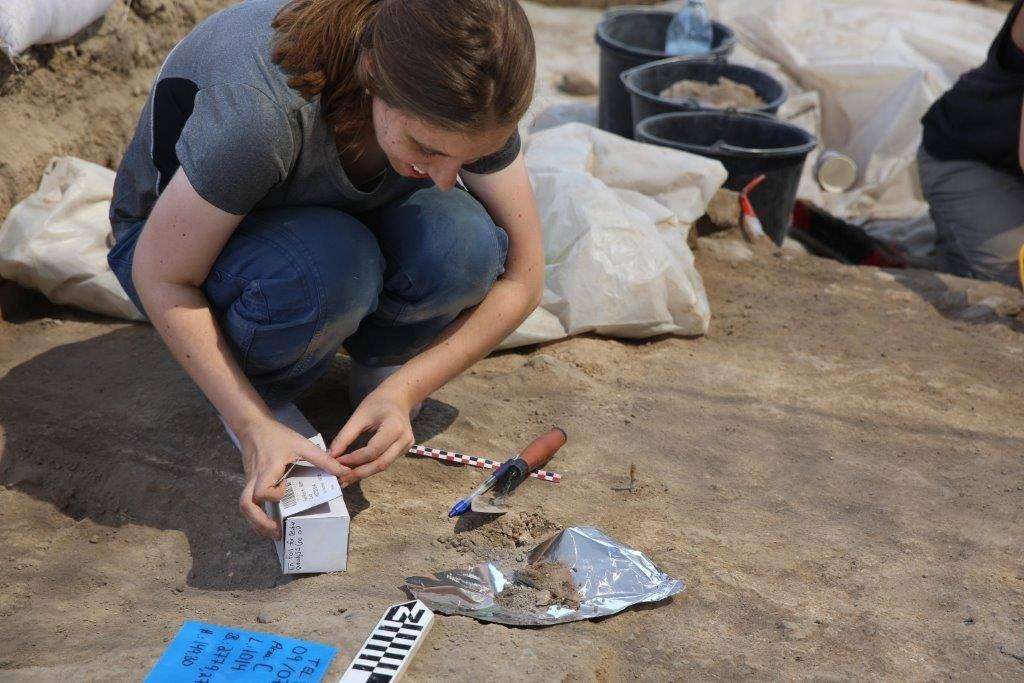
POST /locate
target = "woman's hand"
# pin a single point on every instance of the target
(267, 451)
(386, 415)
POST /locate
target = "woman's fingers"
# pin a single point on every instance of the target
(264, 488)
(355, 426)
(392, 437)
(396, 449)
(274, 454)
(258, 519)
(317, 456)
(384, 437)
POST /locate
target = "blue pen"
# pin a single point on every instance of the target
(463, 505)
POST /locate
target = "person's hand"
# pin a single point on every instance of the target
(388, 417)
(267, 451)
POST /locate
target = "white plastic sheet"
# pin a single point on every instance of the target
(56, 240)
(24, 23)
(616, 214)
(876, 67)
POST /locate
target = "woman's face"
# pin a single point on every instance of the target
(420, 150)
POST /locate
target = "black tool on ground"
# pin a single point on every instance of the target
(832, 237)
(511, 474)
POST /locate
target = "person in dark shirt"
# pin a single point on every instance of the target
(971, 163)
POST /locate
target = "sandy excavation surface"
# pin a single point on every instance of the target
(835, 470)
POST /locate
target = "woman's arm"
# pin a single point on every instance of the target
(179, 244)
(508, 197)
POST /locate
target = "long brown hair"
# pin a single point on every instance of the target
(463, 65)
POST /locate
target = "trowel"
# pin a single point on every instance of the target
(509, 475)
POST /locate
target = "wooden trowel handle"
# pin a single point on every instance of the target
(543, 448)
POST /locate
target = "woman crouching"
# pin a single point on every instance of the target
(294, 187)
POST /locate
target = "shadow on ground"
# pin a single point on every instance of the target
(112, 430)
(953, 303)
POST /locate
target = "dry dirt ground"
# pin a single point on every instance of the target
(835, 469)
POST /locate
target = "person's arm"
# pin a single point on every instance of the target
(508, 198)
(178, 245)
(1017, 31)
(1017, 36)
(1020, 140)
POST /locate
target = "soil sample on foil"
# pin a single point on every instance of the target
(724, 94)
(540, 585)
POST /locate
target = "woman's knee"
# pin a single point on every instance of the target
(341, 262)
(459, 253)
(293, 284)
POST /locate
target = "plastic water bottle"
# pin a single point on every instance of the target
(689, 33)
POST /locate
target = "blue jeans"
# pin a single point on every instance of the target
(294, 284)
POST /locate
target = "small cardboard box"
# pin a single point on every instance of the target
(314, 520)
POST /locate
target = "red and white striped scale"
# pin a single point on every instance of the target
(476, 461)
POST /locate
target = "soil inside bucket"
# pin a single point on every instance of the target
(724, 94)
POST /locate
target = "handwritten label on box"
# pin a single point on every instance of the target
(308, 487)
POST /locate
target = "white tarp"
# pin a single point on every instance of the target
(56, 240)
(616, 214)
(876, 66)
(24, 23)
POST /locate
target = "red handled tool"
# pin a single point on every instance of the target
(511, 474)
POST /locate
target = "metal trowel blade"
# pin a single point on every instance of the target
(490, 505)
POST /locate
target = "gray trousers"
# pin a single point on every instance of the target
(978, 212)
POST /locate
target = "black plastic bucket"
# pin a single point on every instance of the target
(631, 37)
(747, 144)
(644, 84)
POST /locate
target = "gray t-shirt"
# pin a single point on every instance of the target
(223, 112)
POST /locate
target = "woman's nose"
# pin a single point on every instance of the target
(445, 173)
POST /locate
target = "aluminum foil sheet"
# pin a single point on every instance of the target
(609, 576)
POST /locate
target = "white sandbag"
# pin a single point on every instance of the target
(616, 214)
(56, 240)
(681, 181)
(24, 23)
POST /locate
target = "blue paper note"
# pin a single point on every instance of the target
(209, 653)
